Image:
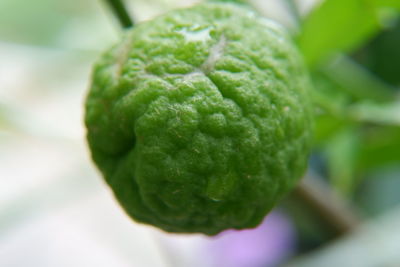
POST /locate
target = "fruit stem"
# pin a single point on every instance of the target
(327, 205)
(121, 13)
(294, 11)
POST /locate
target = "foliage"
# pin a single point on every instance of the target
(351, 48)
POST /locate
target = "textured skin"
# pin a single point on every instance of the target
(200, 120)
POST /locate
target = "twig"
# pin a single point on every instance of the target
(121, 13)
(327, 205)
(294, 11)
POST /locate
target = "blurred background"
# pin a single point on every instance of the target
(55, 209)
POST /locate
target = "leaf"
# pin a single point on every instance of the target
(356, 80)
(336, 25)
(326, 126)
(388, 3)
(381, 147)
(377, 113)
(341, 152)
(331, 104)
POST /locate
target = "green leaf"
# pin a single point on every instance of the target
(341, 152)
(381, 147)
(331, 103)
(388, 3)
(377, 113)
(356, 80)
(336, 25)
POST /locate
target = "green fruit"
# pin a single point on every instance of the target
(200, 119)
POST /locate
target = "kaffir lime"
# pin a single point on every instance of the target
(200, 119)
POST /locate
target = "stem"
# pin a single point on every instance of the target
(121, 13)
(328, 206)
(294, 11)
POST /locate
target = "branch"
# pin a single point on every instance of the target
(121, 13)
(328, 206)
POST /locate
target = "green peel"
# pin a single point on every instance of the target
(200, 120)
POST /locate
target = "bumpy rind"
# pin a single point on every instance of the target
(200, 120)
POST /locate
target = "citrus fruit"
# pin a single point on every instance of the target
(200, 119)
